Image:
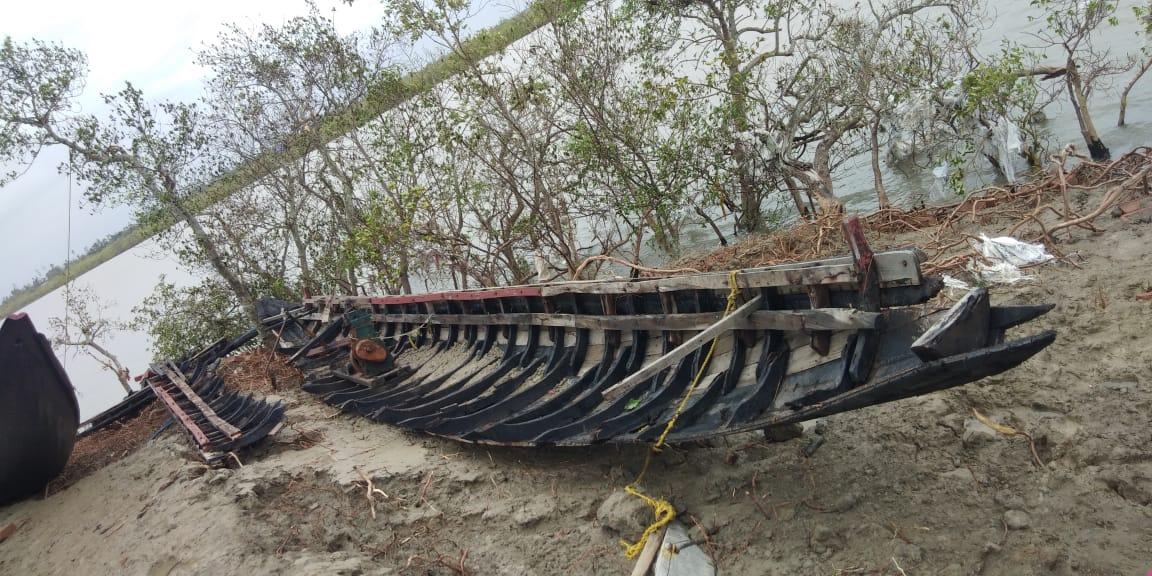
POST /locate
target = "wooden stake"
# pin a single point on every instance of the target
(682, 350)
(648, 554)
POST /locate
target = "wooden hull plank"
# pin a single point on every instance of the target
(430, 388)
(596, 407)
(586, 400)
(651, 405)
(625, 386)
(449, 394)
(534, 420)
(487, 414)
(698, 405)
(498, 391)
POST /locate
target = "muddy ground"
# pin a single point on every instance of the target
(914, 487)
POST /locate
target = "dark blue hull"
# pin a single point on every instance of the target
(38, 411)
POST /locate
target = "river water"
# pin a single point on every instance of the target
(130, 277)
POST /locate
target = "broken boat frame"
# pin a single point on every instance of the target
(586, 362)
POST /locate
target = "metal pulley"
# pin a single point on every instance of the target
(369, 351)
(370, 357)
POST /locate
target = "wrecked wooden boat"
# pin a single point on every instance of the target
(587, 362)
(273, 313)
(38, 411)
(217, 420)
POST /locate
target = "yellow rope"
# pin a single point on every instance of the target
(662, 510)
(411, 334)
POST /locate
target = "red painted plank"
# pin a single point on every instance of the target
(463, 295)
(189, 424)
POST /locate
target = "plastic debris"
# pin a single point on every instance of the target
(953, 283)
(1006, 141)
(1010, 250)
(1005, 256)
(940, 180)
(681, 556)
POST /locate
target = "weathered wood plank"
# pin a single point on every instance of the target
(177, 378)
(367, 382)
(790, 320)
(962, 329)
(174, 408)
(803, 356)
(896, 268)
(683, 350)
(648, 554)
(820, 298)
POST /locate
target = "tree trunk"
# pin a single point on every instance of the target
(806, 211)
(877, 177)
(404, 274)
(750, 218)
(820, 176)
(243, 294)
(112, 364)
(1096, 147)
(1124, 95)
(306, 282)
(711, 223)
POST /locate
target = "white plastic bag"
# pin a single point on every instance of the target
(1005, 256)
(1006, 141)
(1010, 250)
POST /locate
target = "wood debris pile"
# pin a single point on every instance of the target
(259, 371)
(1032, 211)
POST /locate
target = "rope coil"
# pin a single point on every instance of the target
(662, 511)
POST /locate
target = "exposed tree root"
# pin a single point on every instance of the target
(1033, 211)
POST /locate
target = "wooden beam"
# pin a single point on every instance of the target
(683, 350)
(963, 328)
(372, 382)
(820, 298)
(174, 407)
(177, 378)
(896, 268)
(648, 554)
(790, 320)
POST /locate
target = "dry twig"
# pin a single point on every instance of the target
(370, 491)
(1010, 431)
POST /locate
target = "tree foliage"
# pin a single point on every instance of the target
(151, 156)
(606, 132)
(86, 328)
(182, 320)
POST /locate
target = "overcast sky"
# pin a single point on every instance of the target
(153, 45)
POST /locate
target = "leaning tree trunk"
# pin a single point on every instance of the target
(216, 259)
(819, 177)
(878, 179)
(103, 357)
(1096, 147)
(113, 364)
(1124, 95)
